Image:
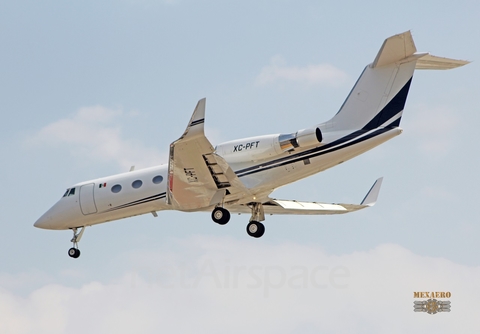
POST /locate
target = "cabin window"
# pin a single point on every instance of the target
(157, 179)
(116, 188)
(137, 184)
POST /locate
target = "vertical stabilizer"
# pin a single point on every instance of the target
(379, 95)
(395, 48)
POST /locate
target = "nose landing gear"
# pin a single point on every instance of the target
(74, 251)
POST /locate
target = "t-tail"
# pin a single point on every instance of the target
(378, 97)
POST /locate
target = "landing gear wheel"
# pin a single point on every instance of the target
(220, 216)
(255, 229)
(74, 252)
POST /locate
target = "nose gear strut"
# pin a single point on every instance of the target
(74, 251)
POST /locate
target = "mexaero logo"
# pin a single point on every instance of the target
(431, 305)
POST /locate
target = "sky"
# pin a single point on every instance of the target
(90, 88)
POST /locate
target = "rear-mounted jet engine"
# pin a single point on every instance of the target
(264, 147)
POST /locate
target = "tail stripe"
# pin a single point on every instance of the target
(396, 105)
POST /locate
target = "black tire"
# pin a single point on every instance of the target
(220, 216)
(73, 252)
(255, 229)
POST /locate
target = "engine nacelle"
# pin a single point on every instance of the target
(264, 147)
(303, 138)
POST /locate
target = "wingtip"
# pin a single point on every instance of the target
(372, 195)
(196, 124)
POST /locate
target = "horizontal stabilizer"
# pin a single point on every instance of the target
(401, 47)
(429, 62)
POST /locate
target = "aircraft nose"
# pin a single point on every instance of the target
(60, 215)
(44, 221)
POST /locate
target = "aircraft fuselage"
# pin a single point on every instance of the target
(238, 176)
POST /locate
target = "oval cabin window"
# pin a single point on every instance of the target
(137, 184)
(157, 179)
(116, 188)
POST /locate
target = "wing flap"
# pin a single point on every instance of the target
(309, 208)
(225, 177)
(284, 207)
(312, 206)
(289, 207)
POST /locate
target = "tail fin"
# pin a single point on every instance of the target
(379, 95)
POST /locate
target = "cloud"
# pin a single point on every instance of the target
(435, 128)
(93, 133)
(324, 74)
(216, 285)
(152, 2)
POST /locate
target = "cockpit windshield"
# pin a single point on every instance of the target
(69, 192)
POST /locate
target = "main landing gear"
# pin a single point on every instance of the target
(255, 229)
(74, 251)
(220, 215)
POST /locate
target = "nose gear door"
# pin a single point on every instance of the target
(87, 201)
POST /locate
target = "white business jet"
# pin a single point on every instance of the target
(239, 176)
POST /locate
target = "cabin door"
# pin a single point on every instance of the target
(87, 201)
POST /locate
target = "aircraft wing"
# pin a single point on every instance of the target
(197, 177)
(289, 207)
